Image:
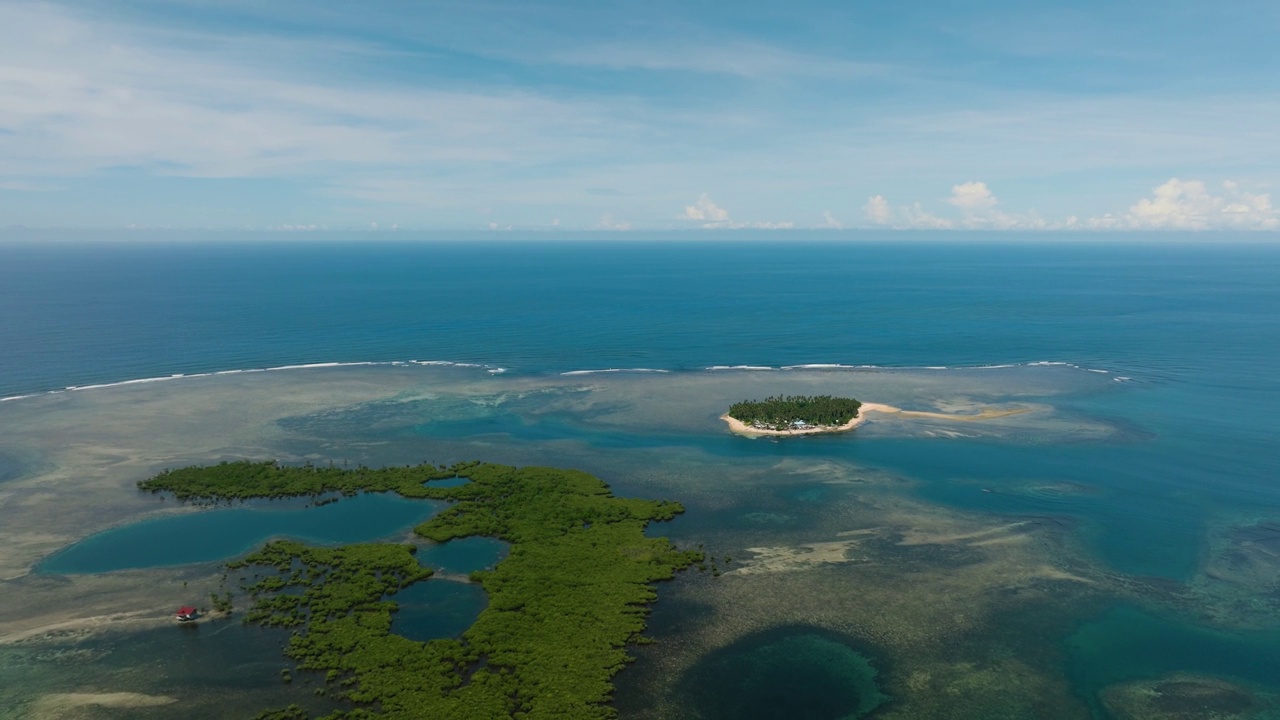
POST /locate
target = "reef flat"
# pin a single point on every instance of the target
(562, 606)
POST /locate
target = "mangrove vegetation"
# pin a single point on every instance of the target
(563, 605)
(792, 411)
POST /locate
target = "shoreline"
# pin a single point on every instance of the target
(738, 427)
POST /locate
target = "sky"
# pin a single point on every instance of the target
(471, 115)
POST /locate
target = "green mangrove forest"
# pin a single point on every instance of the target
(570, 595)
(786, 412)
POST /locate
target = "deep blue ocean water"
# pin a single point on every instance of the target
(75, 313)
(1195, 329)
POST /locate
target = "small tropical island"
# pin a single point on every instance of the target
(794, 415)
(570, 596)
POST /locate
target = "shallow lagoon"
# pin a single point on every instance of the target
(915, 541)
(225, 533)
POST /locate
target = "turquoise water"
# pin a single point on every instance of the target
(1187, 335)
(464, 555)
(1129, 644)
(437, 609)
(225, 533)
(448, 482)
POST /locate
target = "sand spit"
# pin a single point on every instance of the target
(741, 428)
(84, 626)
(57, 706)
(41, 608)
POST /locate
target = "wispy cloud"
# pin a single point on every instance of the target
(740, 58)
(82, 97)
(608, 223)
(24, 186)
(550, 110)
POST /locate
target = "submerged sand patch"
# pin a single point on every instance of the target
(1184, 696)
(939, 594)
(59, 706)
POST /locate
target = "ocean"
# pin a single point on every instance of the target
(1119, 541)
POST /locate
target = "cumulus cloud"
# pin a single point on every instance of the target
(1175, 205)
(712, 217)
(705, 209)
(910, 217)
(972, 197)
(608, 223)
(877, 210)
(1189, 205)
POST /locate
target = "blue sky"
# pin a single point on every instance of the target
(653, 115)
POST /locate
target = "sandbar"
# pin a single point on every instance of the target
(59, 705)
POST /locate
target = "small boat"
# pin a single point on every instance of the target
(186, 613)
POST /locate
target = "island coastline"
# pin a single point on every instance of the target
(738, 427)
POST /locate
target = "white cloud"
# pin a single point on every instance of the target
(705, 209)
(1189, 205)
(23, 186)
(912, 217)
(977, 206)
(830, 221)
(734, 58)
(877, 210)
(916, 216)
(714, 217)
(607, 223)
(81, 94)
(972, 197)
(1174, 205)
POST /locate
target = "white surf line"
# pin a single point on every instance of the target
(493, 370)
(614, 370)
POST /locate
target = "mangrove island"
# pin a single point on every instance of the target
(563, 604)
